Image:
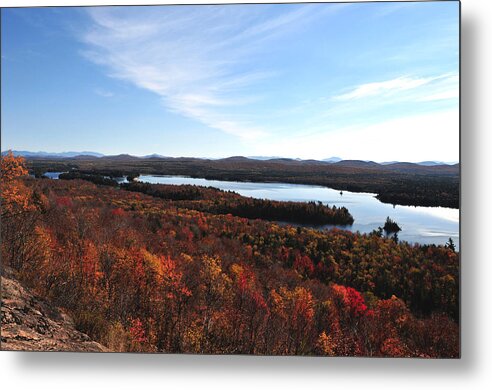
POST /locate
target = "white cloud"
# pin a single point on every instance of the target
(444, 95)
(385, 88)
(191, 57)
(447, 88)
(205, 62)
(431, 136)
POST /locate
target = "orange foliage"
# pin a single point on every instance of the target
(168, 279)
(16, 198)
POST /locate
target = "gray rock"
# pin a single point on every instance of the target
(30, 323)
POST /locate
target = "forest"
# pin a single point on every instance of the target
(398, 183)
(160, 269)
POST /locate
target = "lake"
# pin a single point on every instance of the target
(53, 175)
(56, 176)
(425, 225)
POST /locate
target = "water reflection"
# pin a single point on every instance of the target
(53, 175)
(426, 225)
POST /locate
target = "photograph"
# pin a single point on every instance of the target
(269, 179)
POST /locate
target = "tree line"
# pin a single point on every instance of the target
(215, 201)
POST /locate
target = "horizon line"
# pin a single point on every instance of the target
(259, 158)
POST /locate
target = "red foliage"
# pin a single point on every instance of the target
(185, 281)
(351, 299)
(64, 201)
(304, 265)
(118, 212)
(172, 279)
(137, 331)
(187, 234)
(246, 284)
(303, 305)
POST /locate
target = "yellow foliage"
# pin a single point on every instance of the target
(193, 338)
(325, 344)
(117, 339)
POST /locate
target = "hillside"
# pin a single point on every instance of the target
(149, 276)
(30, 323)
(145, 270)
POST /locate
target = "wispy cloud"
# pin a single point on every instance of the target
(103, 93)
(390, 8)
(373, 102)
(200, 61)
(444, 95)
(387, 87)
(446, 89)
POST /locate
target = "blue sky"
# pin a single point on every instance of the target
(356, 80)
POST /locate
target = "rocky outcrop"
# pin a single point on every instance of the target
(30, 323)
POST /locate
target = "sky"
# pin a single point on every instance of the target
(368, 81)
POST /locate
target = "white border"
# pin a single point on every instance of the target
(126, 371)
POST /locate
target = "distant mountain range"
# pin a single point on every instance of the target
(25, 153)
(265, 158)
(424, 163)
(330, 160)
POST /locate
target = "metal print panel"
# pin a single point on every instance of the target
(264, 179)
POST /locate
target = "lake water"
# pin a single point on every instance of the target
(425, 225)
(53, 175)
(56, 176)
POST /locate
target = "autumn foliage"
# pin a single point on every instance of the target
(138, 273)
(215, 201)
(15, 196)
(20, 210)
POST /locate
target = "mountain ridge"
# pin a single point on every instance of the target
(155, 156)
